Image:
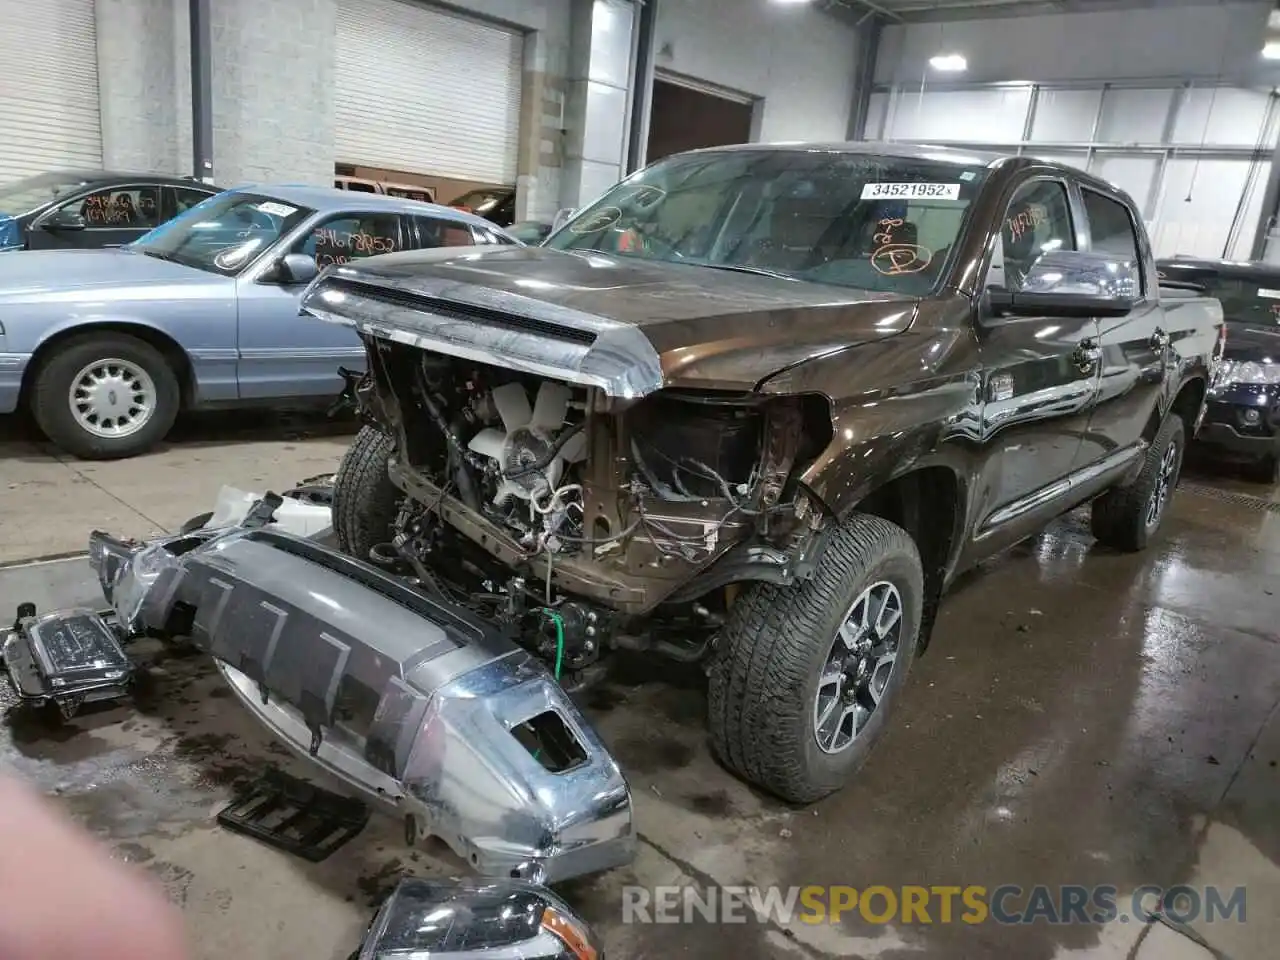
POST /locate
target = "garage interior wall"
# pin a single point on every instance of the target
(274, 120)
(799, 61)
(144, 84)
(49, 114)
(404, 114)
(1155, 101)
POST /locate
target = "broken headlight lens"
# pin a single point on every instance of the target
(477, 920)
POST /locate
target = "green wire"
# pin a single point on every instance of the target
(559, 622)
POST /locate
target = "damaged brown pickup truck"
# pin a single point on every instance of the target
(756, 407)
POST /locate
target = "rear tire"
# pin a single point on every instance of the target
(767, 690)
(1126, 518)
(115, 365)
(365, 502)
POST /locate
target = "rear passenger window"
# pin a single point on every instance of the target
(184, 199)
(1110, 227)
(443, 233)
(1037, 221)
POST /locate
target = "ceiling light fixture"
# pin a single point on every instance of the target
(949, 63)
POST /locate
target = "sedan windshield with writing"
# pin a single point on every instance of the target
(223, 234)
(22, 196)
(853, 220)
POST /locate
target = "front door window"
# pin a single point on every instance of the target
(351, 237)
(120, 208)
(1037, 221)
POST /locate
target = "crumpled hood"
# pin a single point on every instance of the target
(28, 273)
(675, 324)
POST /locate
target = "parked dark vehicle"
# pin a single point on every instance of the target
(1243, 418)
(757, 407)
(495, 204)
(72, 209)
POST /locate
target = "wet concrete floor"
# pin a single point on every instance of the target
(1082, 717)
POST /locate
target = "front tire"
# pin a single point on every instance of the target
(804, 677)
(365, 501)
(105, 396)
(1126, 518)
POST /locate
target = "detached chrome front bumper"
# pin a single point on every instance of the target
(422, 707)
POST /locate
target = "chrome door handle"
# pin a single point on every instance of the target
(1159, 341)
(1086, 355)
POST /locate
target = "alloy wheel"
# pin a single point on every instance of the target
(858, 667)
(112, 398)
(1165, 479)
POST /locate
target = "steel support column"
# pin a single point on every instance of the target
(1270, 213)
(642, 85)
(201, 92)
(868, 49)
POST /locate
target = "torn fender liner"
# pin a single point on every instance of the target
(422, 706)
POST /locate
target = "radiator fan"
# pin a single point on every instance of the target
(527, 438)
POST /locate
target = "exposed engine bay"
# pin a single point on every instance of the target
(581, 519)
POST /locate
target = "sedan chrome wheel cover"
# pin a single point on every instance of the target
(856, 672)
(1165, 479)
(112, 398)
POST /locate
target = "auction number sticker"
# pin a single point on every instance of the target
(911, 191)
(274, 209)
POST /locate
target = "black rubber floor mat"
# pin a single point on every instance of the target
(295, 816)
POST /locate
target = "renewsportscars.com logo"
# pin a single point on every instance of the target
(1006, 904)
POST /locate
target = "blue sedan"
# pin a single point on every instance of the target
(106, 346)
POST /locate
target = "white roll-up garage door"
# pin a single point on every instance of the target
(48, 87)
(425, 91)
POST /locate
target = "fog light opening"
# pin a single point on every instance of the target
(550, 742)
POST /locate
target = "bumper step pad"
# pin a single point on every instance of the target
(295, 816)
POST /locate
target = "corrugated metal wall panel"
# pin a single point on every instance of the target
(49, 115)
(426, 91)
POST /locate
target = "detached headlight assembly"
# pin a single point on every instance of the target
(1247, 372)
(477, 920)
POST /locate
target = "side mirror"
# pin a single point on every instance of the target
(63, 220)
(562, 217)
(1071, 283)
(477, 920)
(295, 268)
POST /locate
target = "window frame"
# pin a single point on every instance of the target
(413, 221)
(90, 190)
(1141, 242)
(318, 222)
(1074, 214)
(171, 197)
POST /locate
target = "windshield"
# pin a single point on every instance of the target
(22, 196)
(871, 222)
(223, 234)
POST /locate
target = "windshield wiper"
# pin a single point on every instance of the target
(743, 268)
(166, 257)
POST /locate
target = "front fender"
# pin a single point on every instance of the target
(201, 327)
(919, 407)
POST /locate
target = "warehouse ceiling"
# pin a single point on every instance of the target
(921, 11)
